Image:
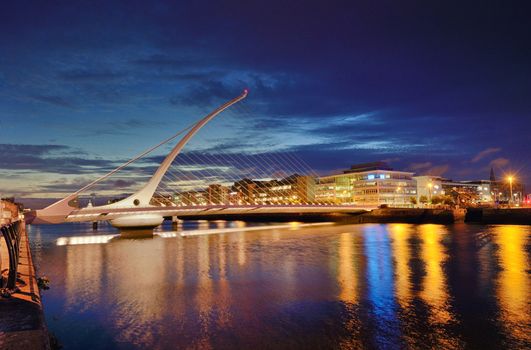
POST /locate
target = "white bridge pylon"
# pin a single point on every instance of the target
(59, 211)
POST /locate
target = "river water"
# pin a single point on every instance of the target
(290, 286)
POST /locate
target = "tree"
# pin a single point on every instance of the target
(413, 200)
(423, 199)
(448, 200)
(436, 200)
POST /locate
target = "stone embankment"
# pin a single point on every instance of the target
(516, 216)
(22, 323)
(410, 215)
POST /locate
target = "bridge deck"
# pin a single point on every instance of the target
(88, 214)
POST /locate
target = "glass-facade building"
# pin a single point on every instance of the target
(368, 184)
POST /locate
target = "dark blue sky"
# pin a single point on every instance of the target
(436, 87)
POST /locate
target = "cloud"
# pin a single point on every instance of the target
(52, 100)
(302, 75)
(427, 168)
(9, 150)
(499, 163)
(391, 160)
(438, 170)
(167, 61)
(204, 94)
(90, 75)
(59, 159)
(419, 166)
(485, 153)
(68, 185)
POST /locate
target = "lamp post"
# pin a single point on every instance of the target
(397, 194)
(510, 178)
(430, 185)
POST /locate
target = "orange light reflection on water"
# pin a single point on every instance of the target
(513, 287)
(347, 272)
(400, 234)
(434, 291)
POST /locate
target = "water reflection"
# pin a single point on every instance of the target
(514, 290)
(380, 285)
(223, 296)
(204, 296)
(434, 292)
(434, 286)
(241, 248)
(400, 234)
(375, 286)
(347, 270)
(133, 281)
(83, 278)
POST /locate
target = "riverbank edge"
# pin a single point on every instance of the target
(515, 216)
(22, 323)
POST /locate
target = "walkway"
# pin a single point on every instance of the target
(21, 318)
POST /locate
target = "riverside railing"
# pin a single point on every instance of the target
(11, 233)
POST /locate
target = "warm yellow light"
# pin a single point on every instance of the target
(430, 185)
(510, 178)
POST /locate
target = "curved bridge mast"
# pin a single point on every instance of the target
(58, 211)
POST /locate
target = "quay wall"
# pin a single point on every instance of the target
(517, 216)
(387, 215)
(409, 215)
(22, 324)
(277, 217)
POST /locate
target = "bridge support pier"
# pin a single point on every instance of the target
(175, 222)
(136, 233)
(94, 226)
(137, 223)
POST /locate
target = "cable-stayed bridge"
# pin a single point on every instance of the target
(201, 185)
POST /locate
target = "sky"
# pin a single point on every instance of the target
(432, 87)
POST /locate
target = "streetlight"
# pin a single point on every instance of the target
(510, 179)
(397, 194)
(430, 185)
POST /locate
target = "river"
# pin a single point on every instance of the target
(287, 286)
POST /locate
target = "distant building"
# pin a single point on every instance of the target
(294, 189)
(477, 192)
(191, 198)
(369, 184)
(428, 186)
(162, 200)
(502, 192)
(218, 194)
(9, 210)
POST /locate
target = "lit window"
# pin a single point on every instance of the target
(370, 177)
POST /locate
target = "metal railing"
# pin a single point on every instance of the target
(12, 233)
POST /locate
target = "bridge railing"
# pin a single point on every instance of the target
(11, 233)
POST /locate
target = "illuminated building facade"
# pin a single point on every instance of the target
(218, 194)
(370, 184)
(294, 189)
(479, 192)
